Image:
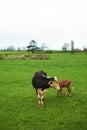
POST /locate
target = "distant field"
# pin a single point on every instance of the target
(18, 101)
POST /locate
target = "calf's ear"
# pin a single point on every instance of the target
(55, 78)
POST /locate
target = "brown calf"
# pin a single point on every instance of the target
(62, 84)
(65, 83)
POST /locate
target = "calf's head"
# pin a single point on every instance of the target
(54, 84)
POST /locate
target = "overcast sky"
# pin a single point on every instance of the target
(53, 22)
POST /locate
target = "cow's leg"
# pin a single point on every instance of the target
(39, 99)
(42, 100)
(39, 96)
(42, 96)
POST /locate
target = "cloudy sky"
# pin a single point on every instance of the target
(49, 22)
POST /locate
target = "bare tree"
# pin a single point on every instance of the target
(72, 46)
(65, 47)
(11, 48)
(43, 47)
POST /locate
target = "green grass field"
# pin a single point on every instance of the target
(18, 101)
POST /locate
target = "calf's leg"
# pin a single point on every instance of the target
(59, 93)
(68, 93)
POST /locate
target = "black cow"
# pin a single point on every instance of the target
(41, 83)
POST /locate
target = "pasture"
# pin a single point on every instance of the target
(18, 101)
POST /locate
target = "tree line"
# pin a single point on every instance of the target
(33, 46)
(65, 48)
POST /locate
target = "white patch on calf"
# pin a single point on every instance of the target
(58, 87)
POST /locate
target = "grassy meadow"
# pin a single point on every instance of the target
(18, 101)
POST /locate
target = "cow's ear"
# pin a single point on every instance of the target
(43, 75)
